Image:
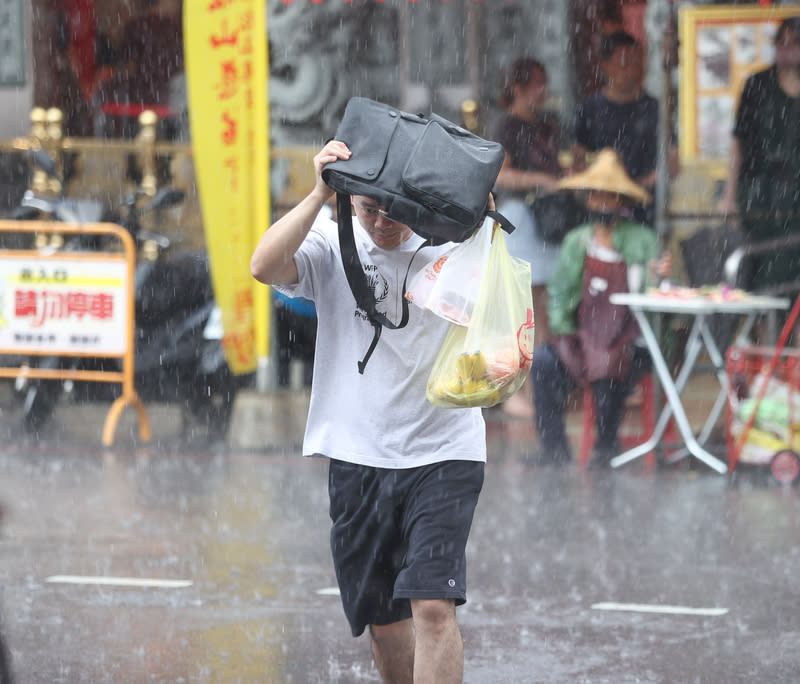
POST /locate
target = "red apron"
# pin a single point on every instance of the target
(603, 345)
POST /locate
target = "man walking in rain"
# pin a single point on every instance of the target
(404, 476)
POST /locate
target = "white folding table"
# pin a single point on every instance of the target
(700, 308)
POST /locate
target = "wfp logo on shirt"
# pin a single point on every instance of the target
(379, 287)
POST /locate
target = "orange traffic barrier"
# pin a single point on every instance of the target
(64, 302)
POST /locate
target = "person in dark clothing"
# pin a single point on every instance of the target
(296, 335)
(151, 53)
(622, 116)
(531, 139)
(147, 72)
(764, 163)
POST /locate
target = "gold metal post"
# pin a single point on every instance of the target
(469, 113)
(54, 120)
(38, 137)
(146, 143)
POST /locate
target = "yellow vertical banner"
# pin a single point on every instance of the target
(261, 164)
(225, 55)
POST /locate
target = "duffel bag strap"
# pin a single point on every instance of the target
(359, 286)
(505, 224)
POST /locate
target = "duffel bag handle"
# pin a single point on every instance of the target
(505, 224)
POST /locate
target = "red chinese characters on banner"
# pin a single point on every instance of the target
(234, 79)
(225, 47)
(243, 301)
(43, 306)
(230, 130)
(246, 51)
(220, 4)
(240, 346)
(232, 163)
(229, 80)
(226, 36)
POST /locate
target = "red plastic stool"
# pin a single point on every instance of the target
(647, 421)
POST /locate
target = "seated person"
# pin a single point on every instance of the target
(592, 340)
(296, 335)
(296, 330)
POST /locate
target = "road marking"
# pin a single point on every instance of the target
(660, 608)
(119, 581)
(329, 591)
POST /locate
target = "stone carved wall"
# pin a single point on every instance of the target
(320, 56)
(417, 56)
(536, 28)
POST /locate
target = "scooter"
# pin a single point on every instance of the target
(39, 397)
(178, 348)
(178, 352)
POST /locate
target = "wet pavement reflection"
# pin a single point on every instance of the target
(566, 566)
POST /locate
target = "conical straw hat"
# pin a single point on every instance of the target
(607, 174)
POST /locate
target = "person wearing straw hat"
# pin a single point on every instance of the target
(593, 341)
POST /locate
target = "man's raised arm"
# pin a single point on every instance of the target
(272, 262)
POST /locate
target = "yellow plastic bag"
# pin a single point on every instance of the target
(485, 362)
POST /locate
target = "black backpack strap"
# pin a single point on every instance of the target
(356, 278)
(376, 335)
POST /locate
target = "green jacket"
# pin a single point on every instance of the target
(636, 243)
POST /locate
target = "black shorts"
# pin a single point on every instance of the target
(399, 535)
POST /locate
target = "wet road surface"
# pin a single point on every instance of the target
(565, 565)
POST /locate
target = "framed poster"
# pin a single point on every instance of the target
(720, 47)
(12, 43)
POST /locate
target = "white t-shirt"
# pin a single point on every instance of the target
(380, 418)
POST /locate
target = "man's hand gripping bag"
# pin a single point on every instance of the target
(427, 173)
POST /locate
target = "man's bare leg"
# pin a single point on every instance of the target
(438, 651)
(393, 650)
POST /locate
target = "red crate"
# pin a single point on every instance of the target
(763, 409)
